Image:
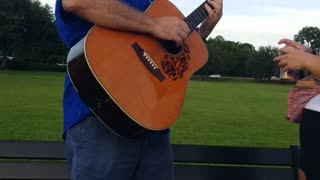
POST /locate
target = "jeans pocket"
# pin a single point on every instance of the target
(88, 129)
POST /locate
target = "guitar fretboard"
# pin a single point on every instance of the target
(196, 17)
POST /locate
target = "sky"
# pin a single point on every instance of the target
(258, 22)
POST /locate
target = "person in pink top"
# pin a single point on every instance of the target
(294, 56)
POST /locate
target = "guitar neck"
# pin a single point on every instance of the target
(196, 17)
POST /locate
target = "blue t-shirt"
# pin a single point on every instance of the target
(71, 29)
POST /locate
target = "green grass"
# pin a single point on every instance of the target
(31, 105)
(215, 113)
(235, 114)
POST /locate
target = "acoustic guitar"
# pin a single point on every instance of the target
(132, 82)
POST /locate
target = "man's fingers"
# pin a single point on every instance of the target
(209, 9)
(183, 34)
(217, 5)
(185, 28)
(213, 7)
(178, 40)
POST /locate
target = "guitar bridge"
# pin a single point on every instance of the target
(148, 62)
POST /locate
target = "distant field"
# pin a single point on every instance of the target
(215, 113)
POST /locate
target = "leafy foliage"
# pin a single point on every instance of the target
(260, 63)
(10, 27)
(309, 36)
(28, 33)
(230, 58)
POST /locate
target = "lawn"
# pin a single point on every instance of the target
(215, 113)
(235, 114)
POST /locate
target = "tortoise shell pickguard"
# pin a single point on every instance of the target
(175, 65)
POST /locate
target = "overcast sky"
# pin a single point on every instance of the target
(258, 22)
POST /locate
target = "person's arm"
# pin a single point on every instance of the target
(116, 15)
(296, 59)
(111, 14)
(214, 17)
(313, 65)
(309, 61)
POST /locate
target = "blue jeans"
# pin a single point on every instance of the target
(95, 153)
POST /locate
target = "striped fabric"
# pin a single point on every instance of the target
(300, 95)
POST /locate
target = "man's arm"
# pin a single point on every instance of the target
(116, 15)
(111, 14)
(214, 17)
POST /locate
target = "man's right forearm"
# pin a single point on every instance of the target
(111, 14)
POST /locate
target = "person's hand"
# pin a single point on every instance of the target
(292, 58)
(215, 11)
(294, 44)
(171, 28)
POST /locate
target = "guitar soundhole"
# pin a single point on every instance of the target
(176, 66)
(170, 46)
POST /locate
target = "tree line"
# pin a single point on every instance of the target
(28, 35)
(230, 58)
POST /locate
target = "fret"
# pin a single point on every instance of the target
(204, 12)
(198, 13)
(193, 23)
(196, 17)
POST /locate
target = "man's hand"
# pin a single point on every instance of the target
(171, 28)
(213, 18)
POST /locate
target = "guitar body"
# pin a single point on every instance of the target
(130, 82)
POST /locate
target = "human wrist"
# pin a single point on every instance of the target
(310, 62)
(201, 34)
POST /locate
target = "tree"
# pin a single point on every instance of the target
(261, 64)
(40, 38)
(309, 36)
(227, 58)
(10, 28)
(244, 53)
(28, 32)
